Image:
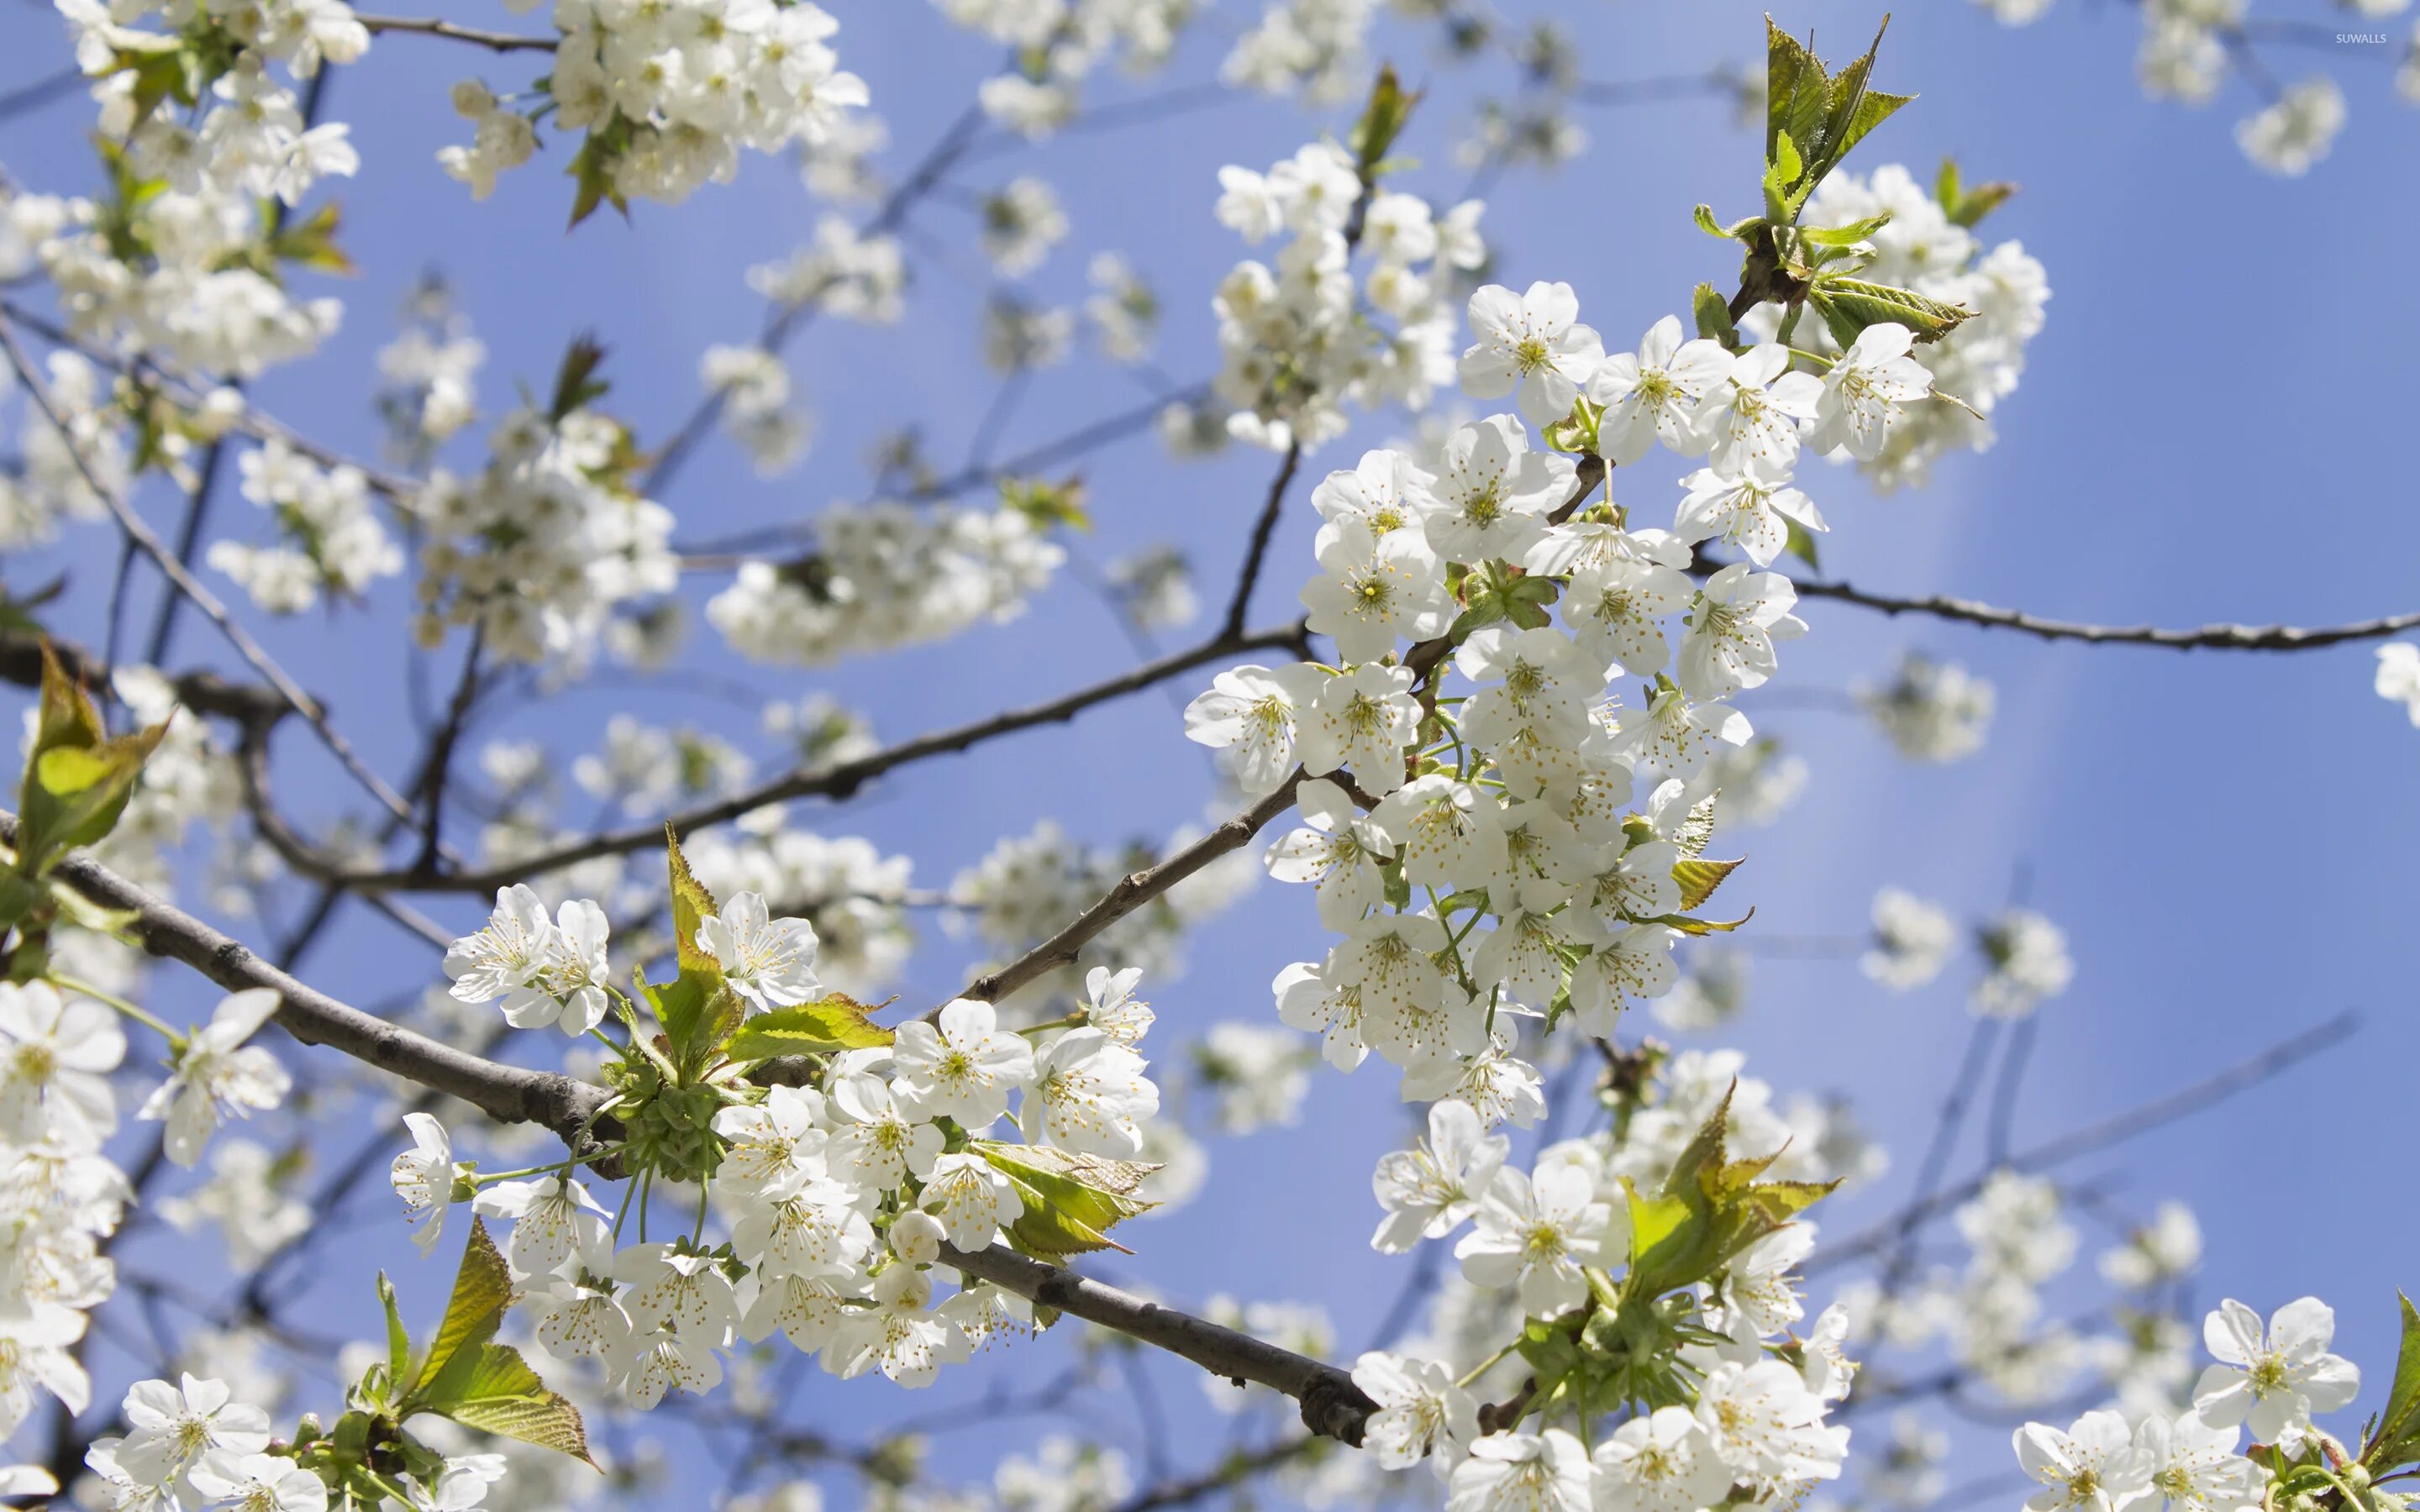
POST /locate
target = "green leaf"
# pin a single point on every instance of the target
(483, 1289)
(399, 1343)
(1701, 927)
(576, 383)
(833, 1022)
(1710, 1209)
(1045, 503)
(76, 782)
(1846, 236)
(1698, 878)
(1800, 543)
(2396, 1442)
(1966, 207)
(1576, 432)
(1071, 1201)
(1780, 174)
(1849, 305)
(1714, 316)
(493, 1389)
(311, 242)
(692, 905)
(1789, 69)
(1382, 120)
(699, 1013)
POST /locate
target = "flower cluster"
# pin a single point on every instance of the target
(2273, 1378)
(1056, 44)
(541, 546)
(330, 540)
(1931, 711)
(61, 1196)
(837, 1198)
(668, 96)
(885, 575)
(1299, 341)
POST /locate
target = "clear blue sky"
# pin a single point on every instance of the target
(2206, 432)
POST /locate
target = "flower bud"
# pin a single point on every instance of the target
(916, 1236)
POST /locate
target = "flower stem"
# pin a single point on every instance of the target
(86, 989)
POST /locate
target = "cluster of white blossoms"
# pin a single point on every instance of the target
(2023, 955)
(2398, 680)
(753, 384)
(1924, 249)
(2272, 1378)
(427, 387)
(1055, 44)
(191, 1444)
(835, 1200)
(668, 95)
(61, 1196)
(539, 547)
(2190, 46)
(853, 276)
(882, 575)
(177, 261)
(1931, 711)
(847, 888)
(328, 539)
(1303, 339)
(1313, 49)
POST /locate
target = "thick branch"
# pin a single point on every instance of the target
(1332, 1406)
(507, 1093)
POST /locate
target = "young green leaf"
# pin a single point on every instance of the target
(692, 905)
(483, 1289)
(493, 1389)
(1071, 1201)
(1849, 305)
(1699, 879)
(2396, 1442)
(833, 1022)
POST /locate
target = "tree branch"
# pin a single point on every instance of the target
(510, 1094)
(837, 780)
(1332, 1407)
(426, 26)
(2207, 638)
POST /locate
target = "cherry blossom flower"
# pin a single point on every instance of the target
(217, 1073)
(55, 1056)
(1422, 1414)
(1654, 394)
(1363, 720)
(1430, 1189)
(1752, 417)
(170, 1427)
(259, 1482)
(769, 961)
(1531, 346)
(2092, 1467)
(423, 1177)
(1660, 1461)
(1523, 1472)
(1255, 713)
(1093, 1094)
(1865, 391)
(1375, 589)
(2278, 1380)
(1536, 1232)
(973, 1199)
(1338, 850)
(961, 1066)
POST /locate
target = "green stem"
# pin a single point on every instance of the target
(1484, 1365)
(86, 989)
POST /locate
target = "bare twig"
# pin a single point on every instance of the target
(2205, 638)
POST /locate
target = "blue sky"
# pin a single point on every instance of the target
(2205, 432)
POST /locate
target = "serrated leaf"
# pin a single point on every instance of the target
(1711, 1208)
(483, 1289)
(1849, 305)
(1071, 1201)
(692, 905)
(699, 1012)
(494, 1390)
(1700, 878)
(836, 1022)
(2396, 1442)
(76, 782)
